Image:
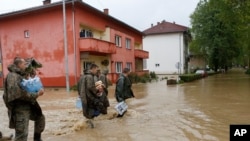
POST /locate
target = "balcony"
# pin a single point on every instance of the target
(96, 45)
(141, 54)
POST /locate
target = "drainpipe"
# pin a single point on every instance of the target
(1, 61)
(74, 38)
(180, 53)
(65, 47)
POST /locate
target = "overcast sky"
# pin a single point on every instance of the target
(139, 14)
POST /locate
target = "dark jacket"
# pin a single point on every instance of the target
(14, 94)
(123, 89)
(90, 101)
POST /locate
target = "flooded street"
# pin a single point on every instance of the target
(198, 111)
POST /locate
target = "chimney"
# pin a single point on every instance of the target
(173, 22)
(158, 23)
(46, 2)
(152, 25)
(106, 11)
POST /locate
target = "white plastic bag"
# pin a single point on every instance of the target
(121, 107)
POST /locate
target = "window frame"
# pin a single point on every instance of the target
(118, 41)
(118, 67)
(129, 65)
(26, 34)
(128, 43)
(87, 33)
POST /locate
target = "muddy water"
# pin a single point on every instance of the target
(197, 111)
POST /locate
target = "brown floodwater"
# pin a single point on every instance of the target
(198, 111)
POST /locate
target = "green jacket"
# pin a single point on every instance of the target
(123, 89)
(90, 101)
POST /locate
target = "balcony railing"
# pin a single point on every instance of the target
(96, 45)
(141, 54)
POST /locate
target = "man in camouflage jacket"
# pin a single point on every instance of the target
(22, 106)
(92, 105)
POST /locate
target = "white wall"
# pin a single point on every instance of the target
(165, 50)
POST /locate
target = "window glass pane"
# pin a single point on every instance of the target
(26, 34)
(128, 43)
(129, 65)
(86, 33)
(118, 66)
(118, 41)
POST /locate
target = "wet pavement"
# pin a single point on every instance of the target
(198, 111)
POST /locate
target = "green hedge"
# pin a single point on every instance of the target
(248, 71)
(135, 78)
(190, 77)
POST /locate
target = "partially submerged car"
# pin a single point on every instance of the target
(202, 72)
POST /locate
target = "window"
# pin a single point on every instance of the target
(129, 65)
(118, 41)
(26, 34)
(86, 33)
(128, 43)
(118, 67)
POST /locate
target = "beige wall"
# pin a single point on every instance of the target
(94, 59)
(106, 35)
(196, 62)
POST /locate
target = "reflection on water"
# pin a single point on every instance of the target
(216, 102)
(201, 110)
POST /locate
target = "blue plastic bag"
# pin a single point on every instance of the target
(78, 103)
(32, 85)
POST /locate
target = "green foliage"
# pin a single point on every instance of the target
(139, 79)
(74, 87)
(133, 77)
(153, 75)
(215, 30)
(143, 80)
(248, 71)
(190, 77)
(180, 81)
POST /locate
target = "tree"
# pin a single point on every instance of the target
(241, 8)
(214, 27)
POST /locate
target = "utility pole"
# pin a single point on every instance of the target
(65, 47)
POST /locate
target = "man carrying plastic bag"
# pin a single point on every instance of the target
(123, 91)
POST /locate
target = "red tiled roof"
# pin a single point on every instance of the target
(67, 2)
(165, 27)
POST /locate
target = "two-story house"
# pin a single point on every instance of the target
(93, 36)
(168, 46)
